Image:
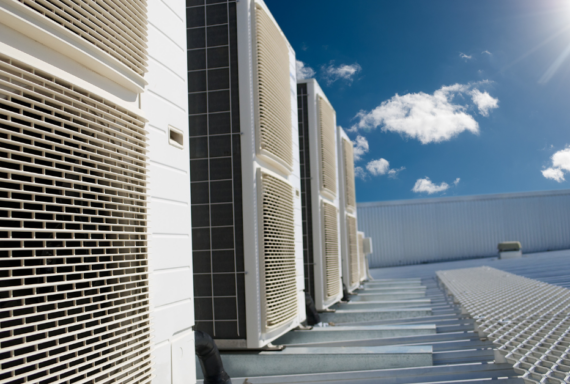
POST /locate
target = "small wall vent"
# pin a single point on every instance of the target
(350, 194)
(327, 141)
(73, 228)
(278, 239)
(353, 250)
(273, 90)
(331, 248)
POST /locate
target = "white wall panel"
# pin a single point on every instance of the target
(430, 230)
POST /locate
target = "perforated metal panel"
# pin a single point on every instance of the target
(327, 146)
(349, 188)
(278, 250)
(118, 27)
(273, 89)
(73, 228)
(361, 256)
(353, 249)
(331, 248)
(526, 319)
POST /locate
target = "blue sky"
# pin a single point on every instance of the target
(451, 97)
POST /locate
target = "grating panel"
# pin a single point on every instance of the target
(327, 146)
(349, 188)
(528, 320)
(73, 228)
(352, 249)
(332, 267)
(119, 28)
(361, 256)
(279, 250)
(274, 89)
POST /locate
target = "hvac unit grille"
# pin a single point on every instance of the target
(278, 250)
(73, 254)
(352, 249)
(349, 188)
(361, 256)
(328, 153)
(332, 267)
(119, 27)
(274, 89)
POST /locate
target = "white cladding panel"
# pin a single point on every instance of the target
(430, 230)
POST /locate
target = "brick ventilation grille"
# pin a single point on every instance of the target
(332, 272)
(73, 225)
(352, 249)
(279, 251)
(327, 146)
(349, 188)
(119, 27)
(528, 321)
(274, 89)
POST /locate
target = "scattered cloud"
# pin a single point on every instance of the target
(360, 173)
(456, 181)
(393, 173)
(304, 72)
(464, 56)
(378, 167)
(345, 72)
(360, 147)
(484, 101)
(427, 186)
(485, 52)
(560, 165)
(429, 118)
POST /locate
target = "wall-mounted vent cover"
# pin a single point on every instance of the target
(278, 239)
(352, 249)
(349, 189)
(119, 27)
(274, 90)
(361, 256)
(73, 227)
(332, 267)
(328, 153)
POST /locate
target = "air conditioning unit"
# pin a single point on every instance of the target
(367, 244)
(74, 255)
(362, 256)
(319, 191)
(349, 238)
(245, 178)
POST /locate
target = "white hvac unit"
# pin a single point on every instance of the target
(319, 191)
(367, 243)
(246, 205)
(362, 256)
(349, 238)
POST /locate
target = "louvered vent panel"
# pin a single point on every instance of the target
(330, 223)
(279, 251)
(349, 189)
(274, 89)
(119, 27)
(328, 153)
(352, 249)
(361, 256)
(73, 228)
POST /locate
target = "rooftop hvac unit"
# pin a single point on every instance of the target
(246, 206)
(349, 238)
(362, 256)
(367, 245)
(321, 236)
(74, 296)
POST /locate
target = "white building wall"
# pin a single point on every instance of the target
(431, 230)
(165, 104)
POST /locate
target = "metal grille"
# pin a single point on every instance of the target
(119, 28)
(332, 266)
(328, 152)
(528, 320)
(215, 169)
(279, 250)
(73, 254)
(361, 256)
(349, 188)
(274, 89)
(352, 249)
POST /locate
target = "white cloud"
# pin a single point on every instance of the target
(304, 72)
(464, 56)
(343, 71)
(360, 147)
(560, 164)
(378, 167)
(456, 181)
(486, 52)
(428, 118)
(392, 173)
(360, 173)
(484, 101)
(426, 185)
